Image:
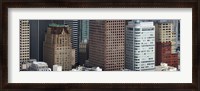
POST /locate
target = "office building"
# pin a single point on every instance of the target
(140, 46)
(84, 31)
(57, 47)
(83, 52)
(83, 41)
(75, 26)
(106, 44)
(38, 28)
(166, 43)
(24, 43)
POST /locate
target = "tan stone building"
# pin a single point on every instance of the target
(106, 44)
(24, 43)
(58, 48)
(166, 33)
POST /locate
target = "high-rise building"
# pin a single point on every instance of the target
(57, 47)
(166, 33)
(75, 26)
(24, 43)
(83, 41)
(140, 46)
(106, 44)
(83, 52)
(166, 43)
(37, 36)
(84, 30)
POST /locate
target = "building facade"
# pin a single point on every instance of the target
(24, 43)
(83, 41)
(166, 43)
(84, 31)
(38, 29)
(39, 66)
(140, 46)
(57, 68)
(75, 26)
(83, 52)
(106, 44)
(57, 47)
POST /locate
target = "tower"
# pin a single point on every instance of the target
(106, 44)
(58, 48)
(24, 43)
(140, 46)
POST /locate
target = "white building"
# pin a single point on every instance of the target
(39, 66)
(140, 46)
(57, 68)
(82, 68)
(165, 67)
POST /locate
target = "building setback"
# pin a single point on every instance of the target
(140, 46)
(106, 44)
(24, 43)
(166, 44)
(58, 48)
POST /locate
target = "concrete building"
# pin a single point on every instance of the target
(24, 43)
(57, 47)
(165, 67)
(75, 26)
(57, 68)
(83, 41)
(39, 66)
(37, 36)
(166, 43)
(140, 46)
(106, 44)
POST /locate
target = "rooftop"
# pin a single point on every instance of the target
(40, 63)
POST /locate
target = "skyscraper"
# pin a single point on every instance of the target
(75, 25)
(24, 43)
(83, 41)
(84, 30)
(140, 46)
(166, 43)
(37, 36)
(106, 44)
(83, 52)
(58, 48)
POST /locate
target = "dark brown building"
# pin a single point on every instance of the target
(164, 55)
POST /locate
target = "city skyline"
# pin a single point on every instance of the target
(109, 45)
